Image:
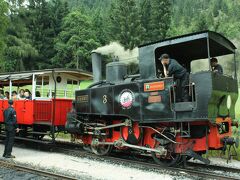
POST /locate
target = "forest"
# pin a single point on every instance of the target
(40, 34)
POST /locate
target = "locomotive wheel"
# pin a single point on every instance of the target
(100, 149)
(171, 159)
(131, 134)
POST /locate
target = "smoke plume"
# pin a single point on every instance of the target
(114, 49)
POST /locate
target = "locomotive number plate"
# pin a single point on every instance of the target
(154, 99)
(154, 86)
(82, 99)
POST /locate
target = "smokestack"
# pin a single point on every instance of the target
(97, 66)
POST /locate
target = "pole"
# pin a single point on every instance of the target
(54, 106)
(235, 65)
(208, 51)
(42, 86)
(33, 86)
(10, 89)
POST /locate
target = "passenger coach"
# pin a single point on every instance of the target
(46, 111)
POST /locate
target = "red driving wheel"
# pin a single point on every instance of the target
(131, 134)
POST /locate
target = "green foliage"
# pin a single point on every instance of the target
(44, 24)
(19, 50)
(3, 26)
(75, 42)
(155, 19)
(31, 34)
(60, 33)
(135, 22)
(125, 23)
(217, 15)
(101, 27)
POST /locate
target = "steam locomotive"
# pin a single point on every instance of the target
(142, 112)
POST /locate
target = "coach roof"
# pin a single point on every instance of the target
(80, 74)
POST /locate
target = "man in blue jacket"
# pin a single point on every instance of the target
(172, 68)
(11, 128)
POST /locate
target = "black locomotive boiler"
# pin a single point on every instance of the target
(141, 112)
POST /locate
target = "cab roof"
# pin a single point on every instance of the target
(193, 46)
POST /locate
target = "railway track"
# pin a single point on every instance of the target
(215, 167)
(34, 171)
(203, 172)
(195, 169)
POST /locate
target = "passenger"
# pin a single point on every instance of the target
(21, 94)
(215, 66)
(173, 68)
(50, 96)
(28, 94)
(14, 95)
(11, 128)
(2, 94)
(38, 94)
(7, 94)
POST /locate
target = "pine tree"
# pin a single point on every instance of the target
(160, 19)
(44, 20)
(101, 27)
(125, 23)
(19, 52)
(145, 12)
(75, 42)
(3, 26)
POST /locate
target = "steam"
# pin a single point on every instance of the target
(114, 49)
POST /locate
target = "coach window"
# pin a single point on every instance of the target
(72, 85)
(42, 85)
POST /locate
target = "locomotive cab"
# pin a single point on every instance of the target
(212, 95)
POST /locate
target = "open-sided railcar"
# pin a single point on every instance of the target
(47, 114)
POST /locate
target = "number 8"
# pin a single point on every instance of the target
(105, 99)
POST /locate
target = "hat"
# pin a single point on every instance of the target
(10, 102)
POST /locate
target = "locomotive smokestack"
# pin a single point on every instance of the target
(97, 66)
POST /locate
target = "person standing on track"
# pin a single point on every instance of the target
(11, 128)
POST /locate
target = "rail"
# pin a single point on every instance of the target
(31, 170)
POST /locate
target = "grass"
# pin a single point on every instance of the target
(85, 84)
(237, 108)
